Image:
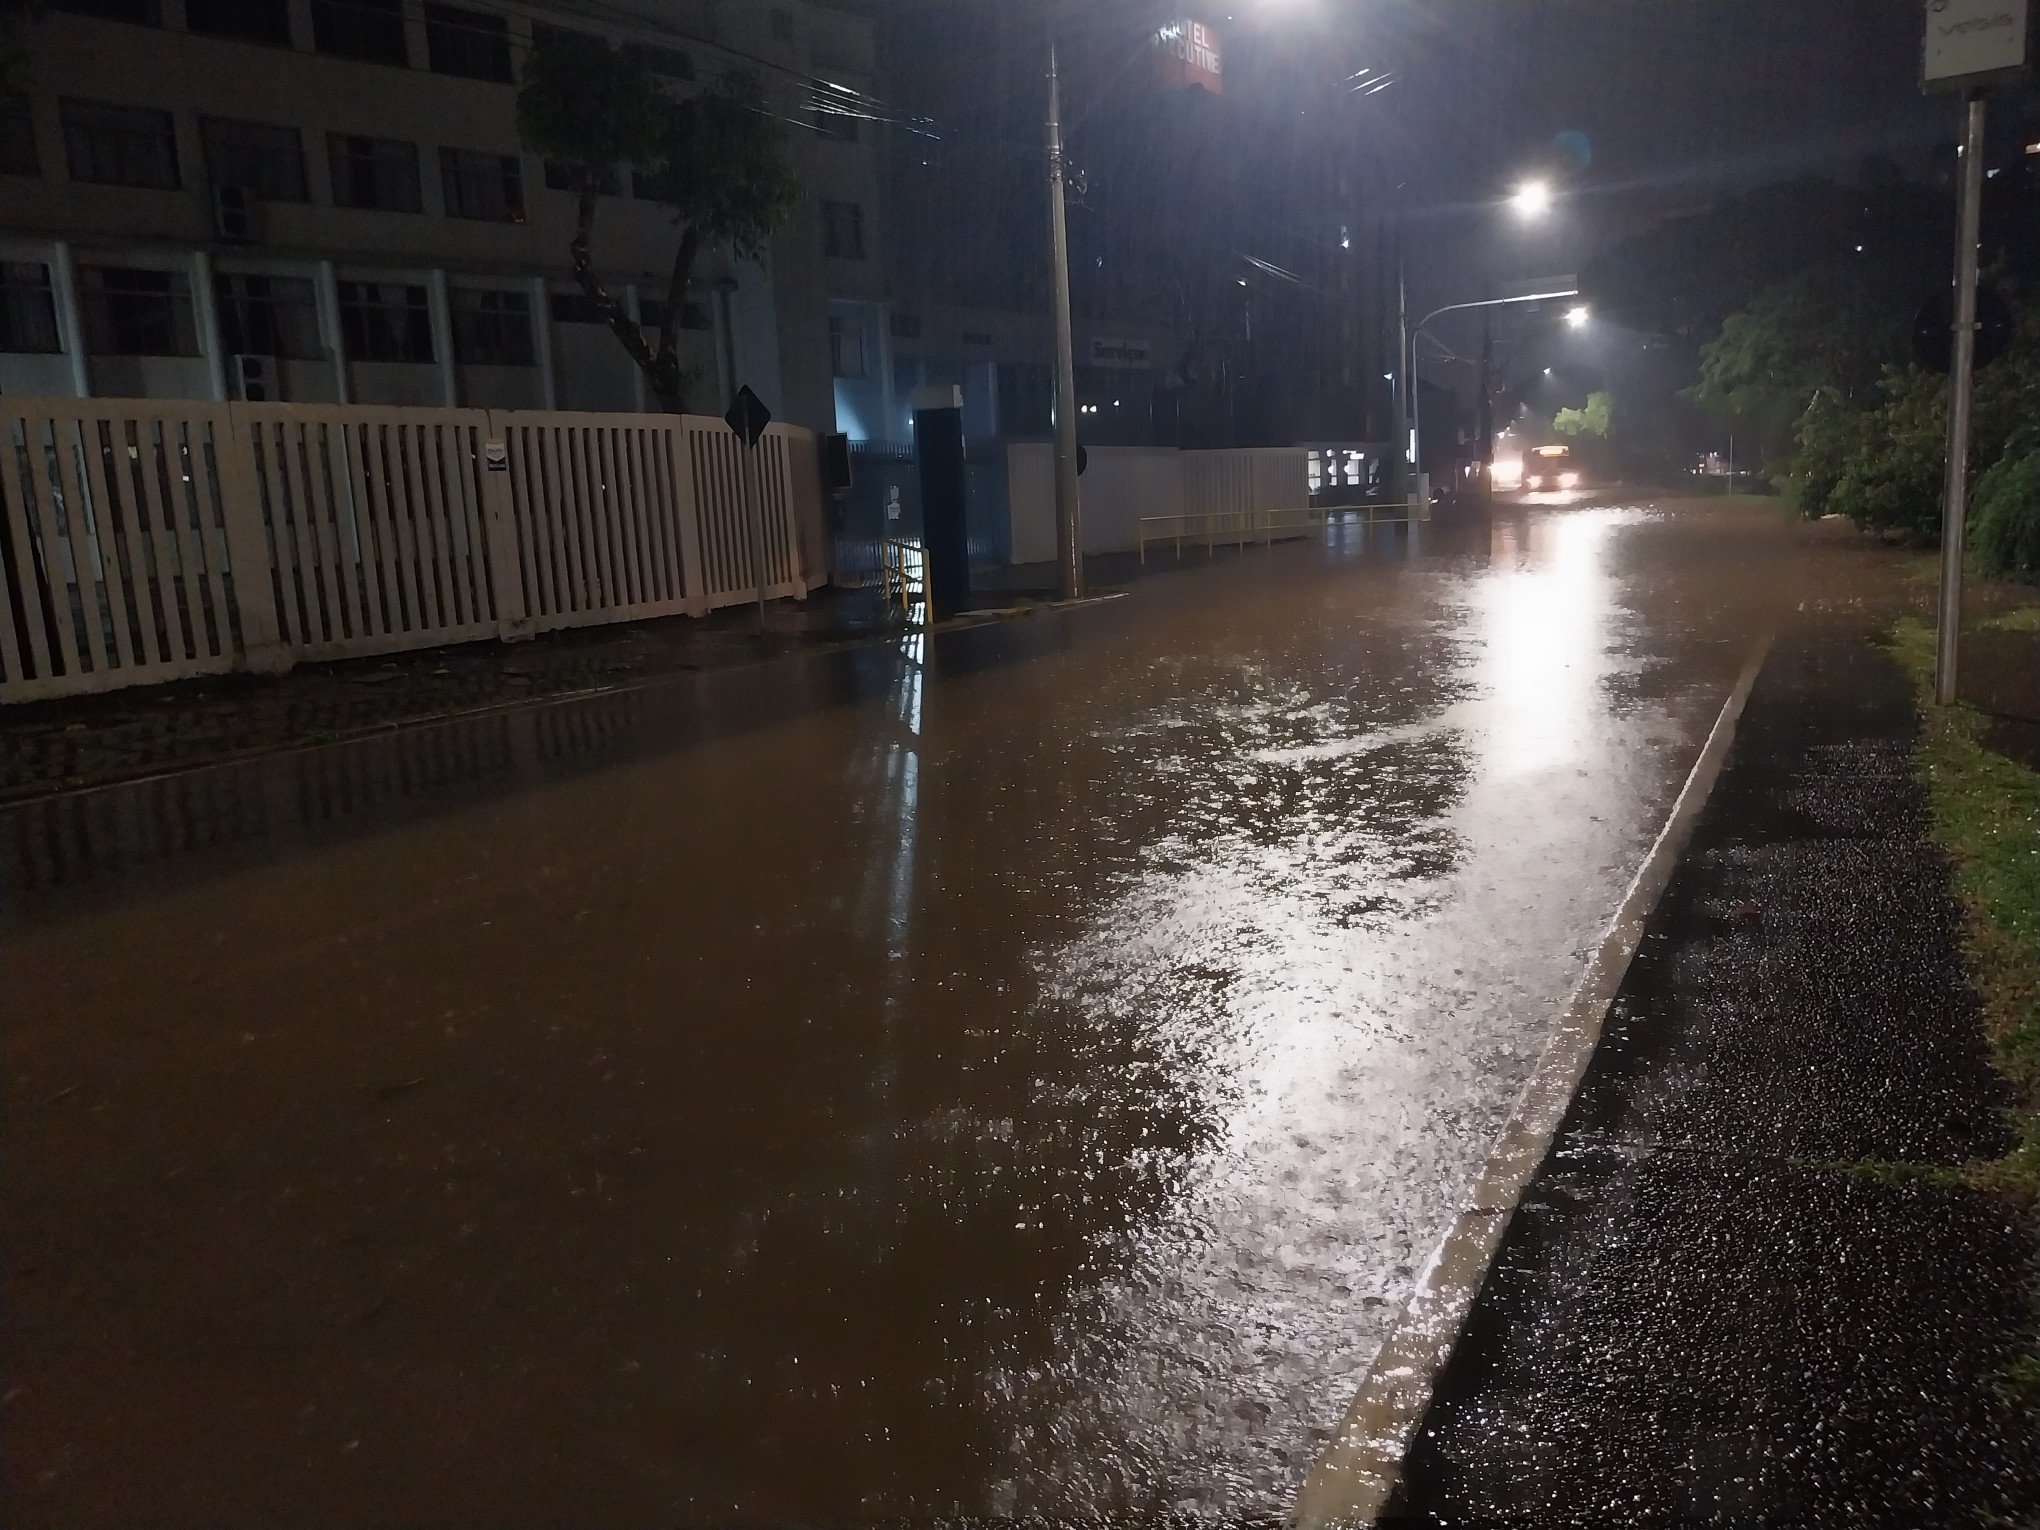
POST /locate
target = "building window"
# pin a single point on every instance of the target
(385, 321)
(846, 347)
(561, 177)
(374, 172)
(119, 145)
(906, 326)
(269, 161)
(268, 316)
(28, 313)
(479, 185)
(369, 30)
(671, 63)
(907, 375)
(492, 329)
(18, 154)
(976, 337)
(840, 125)
(545, 37)
(263, 21)
(136, 313)
(471, 43)
(782, 24)
(141, 13)
(843, 230)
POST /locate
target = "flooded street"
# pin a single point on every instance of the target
(1018, 1071)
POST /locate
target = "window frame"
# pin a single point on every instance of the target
(338, 156)
(274, 14)
(842, 329)
(103, 323)
(362, 318)
(17, 293)
(360, 19)
(467, 44)
(505, 311)
(466, 168)
(70, 107)
(837, 217)
(302, 185)
(235, 302)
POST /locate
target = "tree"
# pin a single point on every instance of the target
(1592, 420)
(718, 160)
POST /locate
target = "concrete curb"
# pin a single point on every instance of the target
(1355, 1477)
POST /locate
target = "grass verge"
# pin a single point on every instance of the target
(1986, 815)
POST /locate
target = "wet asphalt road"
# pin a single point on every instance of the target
(1017, 1072)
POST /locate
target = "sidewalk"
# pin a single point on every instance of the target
(1749, 1286)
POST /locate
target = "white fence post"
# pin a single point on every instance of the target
(248, 554)
(506, 565)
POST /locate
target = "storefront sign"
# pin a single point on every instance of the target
(1120, 353)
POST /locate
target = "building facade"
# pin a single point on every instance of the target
(327, 201)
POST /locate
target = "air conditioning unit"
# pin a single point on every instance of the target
(234, 214)
(253, 378)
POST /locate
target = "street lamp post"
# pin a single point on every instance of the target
(1416, 420)
(1069, 539)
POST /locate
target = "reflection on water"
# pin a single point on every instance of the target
(1339, 964)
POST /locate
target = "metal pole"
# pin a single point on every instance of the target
(1403, 380)
(1069, 538)
(1487, 405)
(1962, 377)
(753, 518)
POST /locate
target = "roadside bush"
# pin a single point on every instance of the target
(2004, 536)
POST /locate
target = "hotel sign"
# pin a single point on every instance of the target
(1190, 55)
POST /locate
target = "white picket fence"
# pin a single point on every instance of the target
(144, 540)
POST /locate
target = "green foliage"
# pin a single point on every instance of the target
(1592, 420)
(717, 158)
(589, 105)
(2005, 531)
(725, 166)
(1817, 330)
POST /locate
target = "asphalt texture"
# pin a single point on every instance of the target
(1710, 1310)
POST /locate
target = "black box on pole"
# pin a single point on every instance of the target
(938, 447)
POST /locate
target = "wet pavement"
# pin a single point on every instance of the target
(1739, 1292)
(1016, 1071)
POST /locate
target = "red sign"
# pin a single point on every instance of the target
(1189, 54)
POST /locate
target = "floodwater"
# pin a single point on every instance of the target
(1014, 1072)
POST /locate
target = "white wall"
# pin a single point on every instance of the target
(35, 376)
(1122, 485)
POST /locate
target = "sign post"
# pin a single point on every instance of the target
(748, 417)
(1969, 44)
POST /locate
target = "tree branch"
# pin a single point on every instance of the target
(622, 324)
(668, 365)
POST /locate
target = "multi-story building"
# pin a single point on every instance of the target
(327, 200)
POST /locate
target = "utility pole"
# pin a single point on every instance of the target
(1962, 387)
(1487, 404)
(1405, 379)
(1069, 522)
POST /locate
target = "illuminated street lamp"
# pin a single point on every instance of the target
(1532, 199)
(1576, 318)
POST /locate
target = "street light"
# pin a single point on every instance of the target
(1532, 199)
(1576, 318)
